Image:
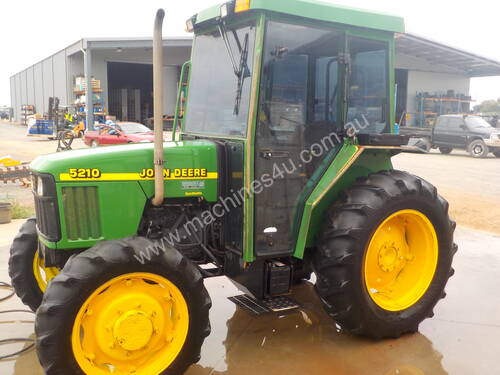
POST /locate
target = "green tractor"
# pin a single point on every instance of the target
(280, 168)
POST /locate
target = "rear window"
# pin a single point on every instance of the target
(455, 123)
(442, 122)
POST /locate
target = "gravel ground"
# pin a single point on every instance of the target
(471, 186)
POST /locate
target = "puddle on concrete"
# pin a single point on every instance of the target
(306, 341)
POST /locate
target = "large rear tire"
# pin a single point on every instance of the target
(109, 312)
(26, 269)
(385, 255)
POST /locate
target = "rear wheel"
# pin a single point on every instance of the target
(385, 255)
(109, 313)
(27, 269)
(445, 150)
(478, 149)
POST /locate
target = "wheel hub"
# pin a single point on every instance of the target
(390, 257)
(133, 330)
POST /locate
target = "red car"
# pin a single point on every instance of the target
(121, 132)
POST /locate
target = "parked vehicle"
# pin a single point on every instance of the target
(466, 132)
(119, 133)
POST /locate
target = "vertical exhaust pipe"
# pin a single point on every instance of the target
(158, 106)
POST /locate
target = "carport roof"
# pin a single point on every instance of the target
(433, 52)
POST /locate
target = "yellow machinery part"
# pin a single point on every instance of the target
(136, 323)
(401, 260)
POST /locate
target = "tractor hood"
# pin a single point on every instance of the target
(191, 167)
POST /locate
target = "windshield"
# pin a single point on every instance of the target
(130, 128)
(219, 99)
(477, 122)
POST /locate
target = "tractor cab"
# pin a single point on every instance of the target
(285, 89)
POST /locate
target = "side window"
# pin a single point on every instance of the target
(442, 123)
(104, 131)
(455, 124)
(299, 85)
(368, 96)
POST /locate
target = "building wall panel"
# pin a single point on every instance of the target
(30, 85)
(39, 92)
(18, 95)
(48, 83)
(60, 86)
(13, 102)
(23, 85)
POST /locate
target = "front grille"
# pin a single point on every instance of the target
(81, 212)
(47, 212)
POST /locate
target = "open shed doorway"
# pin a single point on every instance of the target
(130, 91)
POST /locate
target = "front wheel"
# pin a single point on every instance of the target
(385, 255)
(94, 143)
(497, 153)
(445, 150)
(478, 149)
(123, 307)
(27, 269)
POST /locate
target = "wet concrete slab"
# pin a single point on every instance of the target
(462, 338)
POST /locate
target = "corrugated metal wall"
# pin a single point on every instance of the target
(39, 82)
(60, 77)
(38, 77)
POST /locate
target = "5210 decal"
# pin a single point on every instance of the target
(85, 173)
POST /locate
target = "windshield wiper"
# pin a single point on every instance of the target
(241, 71)
(244, 72)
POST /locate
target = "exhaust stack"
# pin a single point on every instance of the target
(158, 106)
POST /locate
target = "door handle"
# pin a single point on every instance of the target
(269, 154)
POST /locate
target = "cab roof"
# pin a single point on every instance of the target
(321, 11)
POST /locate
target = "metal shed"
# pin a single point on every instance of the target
(423, 66)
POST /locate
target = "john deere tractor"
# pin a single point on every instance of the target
(280, 169)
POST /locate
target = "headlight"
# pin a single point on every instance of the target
(39, 186)
(495, 137)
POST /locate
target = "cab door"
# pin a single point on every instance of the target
(457, 131)
(300, 92)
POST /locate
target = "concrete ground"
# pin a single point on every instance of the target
(461, 339)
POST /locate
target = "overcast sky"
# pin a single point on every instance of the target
(31, 30)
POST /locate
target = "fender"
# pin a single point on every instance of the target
(352, 161)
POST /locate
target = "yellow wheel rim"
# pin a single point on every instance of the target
(401, 260)
(136, 323)
(43, 274)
